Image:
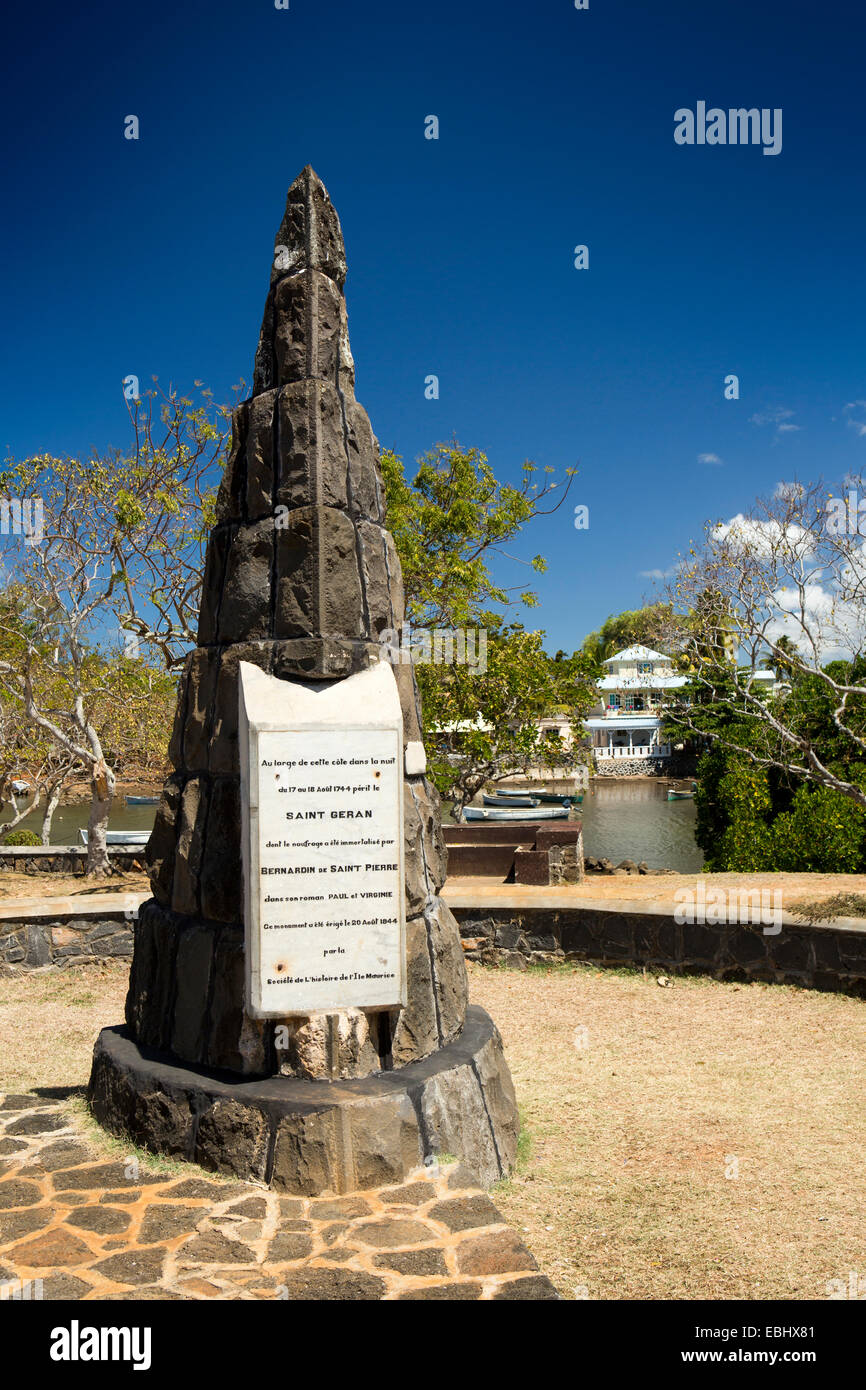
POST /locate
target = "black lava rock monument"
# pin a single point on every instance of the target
(297, 1009)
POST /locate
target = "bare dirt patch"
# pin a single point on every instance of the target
(49, 1023)
(661, 889)
(640, 1105)
(700, 1141)
(18, 885)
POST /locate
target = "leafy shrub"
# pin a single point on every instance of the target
(751, 821)
(23, 837)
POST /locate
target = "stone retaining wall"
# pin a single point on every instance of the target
(817, 956)
(630, 767)
(65, 859)
(677, 766)
(40, 943)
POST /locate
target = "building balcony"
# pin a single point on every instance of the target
(617, 711)
(639, 750)
(625, 719)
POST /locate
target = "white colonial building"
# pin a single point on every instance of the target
(625, 726)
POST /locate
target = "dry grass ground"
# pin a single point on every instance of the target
(624, 1192)
(17, 885)
(835, 892)
(49, 1023)
(628, 1190)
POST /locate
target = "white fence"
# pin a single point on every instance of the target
(639, 750)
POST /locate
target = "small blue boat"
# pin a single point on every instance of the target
(142, 801)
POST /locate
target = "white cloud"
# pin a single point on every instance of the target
(837, 628)
(771, 417)
(762, 537)
(659, 575)
(859, 408)
(709, 458)
(779, 416)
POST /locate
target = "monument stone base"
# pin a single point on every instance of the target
(315, 1137)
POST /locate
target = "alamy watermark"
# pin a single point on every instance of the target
(21, 1291)
(852, 1287)
(77, 1343)
(729, 906)
(846, 516)
(23, 516)
(436, 646)
(736, 126)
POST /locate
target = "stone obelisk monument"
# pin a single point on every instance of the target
(301, 581)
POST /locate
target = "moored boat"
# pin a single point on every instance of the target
(120, 837)
(515, 813)
(512, 792)
(511, 800)
(515, 795)
(675, 795)
(142, 801)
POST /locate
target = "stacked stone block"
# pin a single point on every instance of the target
(301, 579)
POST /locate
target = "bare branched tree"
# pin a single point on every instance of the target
(782, 586)
(119, 541)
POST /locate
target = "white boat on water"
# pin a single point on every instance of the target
(514, 800)
(516, 796)
(120, 837)
(515, 813)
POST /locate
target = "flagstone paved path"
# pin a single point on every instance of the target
(91, 1225)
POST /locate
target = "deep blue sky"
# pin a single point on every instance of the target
(556, 129)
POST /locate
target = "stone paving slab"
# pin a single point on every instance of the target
(93, 1226)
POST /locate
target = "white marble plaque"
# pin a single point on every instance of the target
(322, 798)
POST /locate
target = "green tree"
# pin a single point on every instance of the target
(481, 726)
(752, 813)
(451, 522)
(642, 626)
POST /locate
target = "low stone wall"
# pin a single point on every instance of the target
(677, 766)
(630, 767)
(827, 956)
(64, 940)
(65, 859)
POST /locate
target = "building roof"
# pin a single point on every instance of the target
(637, 653)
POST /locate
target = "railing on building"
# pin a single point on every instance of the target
(639, 750)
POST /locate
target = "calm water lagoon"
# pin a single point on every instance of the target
(623, 819)
(632, 819)
(68, 820)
